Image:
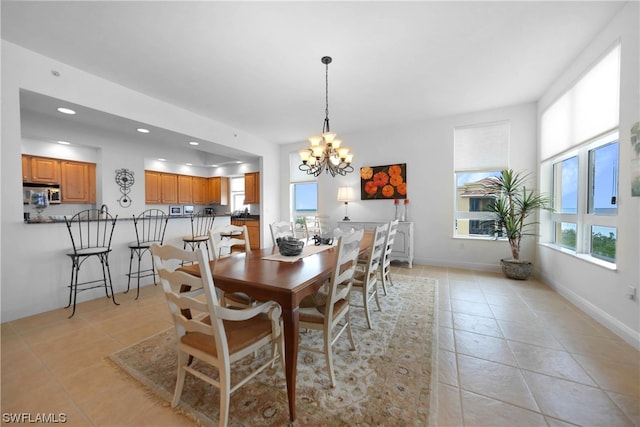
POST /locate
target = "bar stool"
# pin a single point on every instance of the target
(90, 231)
(150, 226)
(201, 223)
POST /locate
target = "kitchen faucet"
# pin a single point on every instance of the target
(104, 209)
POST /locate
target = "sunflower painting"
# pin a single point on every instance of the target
(383, 182)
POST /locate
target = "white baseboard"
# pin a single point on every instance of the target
(623, 331)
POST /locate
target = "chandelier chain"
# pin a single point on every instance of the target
(330, 157)
(325, 127)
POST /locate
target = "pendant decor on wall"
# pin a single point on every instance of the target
(124, 178)
(383, 182)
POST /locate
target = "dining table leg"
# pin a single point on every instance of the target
(291, 322)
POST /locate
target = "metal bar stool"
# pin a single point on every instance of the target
(201, 223)
(90, 231)
(150, 226)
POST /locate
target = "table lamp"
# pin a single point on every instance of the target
(345, 194)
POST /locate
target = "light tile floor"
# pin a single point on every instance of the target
(516, 353)
(509, 354)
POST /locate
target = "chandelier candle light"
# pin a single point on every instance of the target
(326, 152)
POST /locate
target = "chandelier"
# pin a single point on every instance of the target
(326, 152)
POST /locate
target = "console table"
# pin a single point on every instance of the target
(403, 243)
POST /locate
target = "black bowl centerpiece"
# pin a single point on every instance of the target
(289, 246)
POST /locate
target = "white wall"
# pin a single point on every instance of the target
(34, 270)
(427, 149)
(597, 290)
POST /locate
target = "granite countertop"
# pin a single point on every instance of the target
(52, 219)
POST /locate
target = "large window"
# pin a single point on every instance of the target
(305, 197)
(585, 199)
(579, 141)
(480, 152)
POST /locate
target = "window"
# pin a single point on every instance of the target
(579, 141)
(236, 187)
(603, 180)
(480, 152)
(472, 200)
(585, 199)
(305, 197)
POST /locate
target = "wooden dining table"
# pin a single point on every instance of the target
(287, 283)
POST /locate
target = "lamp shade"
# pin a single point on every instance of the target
(345, 194)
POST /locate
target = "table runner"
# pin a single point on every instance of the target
(306, 251)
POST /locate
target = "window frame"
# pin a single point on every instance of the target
(583, 219)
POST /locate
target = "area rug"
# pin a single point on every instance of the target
(386, 381)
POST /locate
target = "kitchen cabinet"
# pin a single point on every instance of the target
(219, 190)
(199, 191)
(253, 230)
(152, 187)
(41, 170)
(169, 184)
(185, 189)
(78, 182)
(251, 188)
(163, 188)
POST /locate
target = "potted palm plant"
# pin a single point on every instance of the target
(513, 206)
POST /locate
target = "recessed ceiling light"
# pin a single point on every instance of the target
(143, 130)
(162, 160)
(214, 166)
(189, 164)
(66, 110)
(194, 143)
(64, 143)
(238, 162)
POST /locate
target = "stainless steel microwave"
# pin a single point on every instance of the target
(53, 193)
(175, 210)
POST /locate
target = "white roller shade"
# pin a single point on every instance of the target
(481, 147)
(589, 108)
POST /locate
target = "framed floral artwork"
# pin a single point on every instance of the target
(383, 182)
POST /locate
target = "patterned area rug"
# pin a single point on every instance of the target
(386, 381)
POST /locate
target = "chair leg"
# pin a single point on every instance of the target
(106, 264)
(365, 295)
(130, 263)
(225, 392)
(73, 269)
(139, 252)
(74, 285)
(328, 354)
(182, 360)
(347, 319)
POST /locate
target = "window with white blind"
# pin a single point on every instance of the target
(481, 151)
(580, 145)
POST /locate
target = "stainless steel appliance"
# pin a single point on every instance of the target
(53, 192)
(175, 210)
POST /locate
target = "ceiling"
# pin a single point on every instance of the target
(255, 66)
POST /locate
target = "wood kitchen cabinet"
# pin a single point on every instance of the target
(167, 188)
(251, 188)
(41, 170)
(185, 189)
(218, 190)
(253, 230)
(199, 193)
(152, 187)
(169, 184)
(78, 182)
